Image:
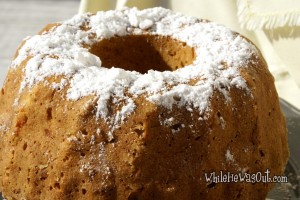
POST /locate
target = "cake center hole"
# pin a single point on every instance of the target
(141, 53)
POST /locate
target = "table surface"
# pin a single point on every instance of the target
(22, 18)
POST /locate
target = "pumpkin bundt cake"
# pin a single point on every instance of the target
(138, 104)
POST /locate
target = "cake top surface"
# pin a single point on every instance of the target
(219, 55)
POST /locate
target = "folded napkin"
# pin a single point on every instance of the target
(269, 14)
(257, 15)
(97, 5)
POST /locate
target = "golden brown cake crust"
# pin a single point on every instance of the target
(52, 147)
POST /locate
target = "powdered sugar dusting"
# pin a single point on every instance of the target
(219, 55)
(229, 157)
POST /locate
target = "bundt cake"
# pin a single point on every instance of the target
(138, 104)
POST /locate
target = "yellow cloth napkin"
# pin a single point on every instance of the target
(97, 5)
(269, 14)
